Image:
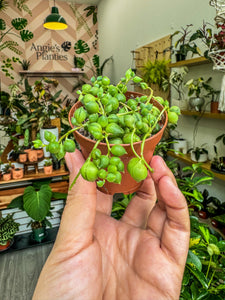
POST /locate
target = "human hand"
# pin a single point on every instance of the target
(140, 257)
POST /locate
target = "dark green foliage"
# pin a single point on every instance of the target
(81, 47)
(8, 228)
(92, 10)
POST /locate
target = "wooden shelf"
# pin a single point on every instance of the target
(14, 188)
(186, 158)
(190, 62)
(209, 115)
(51, 73)
(40, 175)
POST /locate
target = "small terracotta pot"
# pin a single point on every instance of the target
(48, 170)
(32, 155)
(128, 184)
(3, 247)
(23, 157)
(27, 150)
(7, 176)
(40, 153)
(17, 173)
(214, 107)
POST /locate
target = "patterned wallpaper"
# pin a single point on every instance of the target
(52, 50)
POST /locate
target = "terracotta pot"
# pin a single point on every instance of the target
(17, 173)
(32, 155)
(23, 157)
(128, 184)
(3, 247)
(214, 107)
(48, 170)
(40, 153)
(7, 176)
(27, 150)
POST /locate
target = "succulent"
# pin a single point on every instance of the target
(107, 115)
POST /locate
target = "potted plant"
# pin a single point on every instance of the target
(8, 228)
(217, 52)
(48, 166)
(17, 173)
(218, 163)
(56, 163)
(179, 144)
(119, 124)
(155, 72)
(25, 64)
(205, 35)
(198, 154)
(176, 81)
(183, 45)
(36, 202)
(196, 87)
(7, 172)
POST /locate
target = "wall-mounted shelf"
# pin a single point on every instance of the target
(13, 188)
(208, 115)
(190, 62)
(206, 166)
(51, 73)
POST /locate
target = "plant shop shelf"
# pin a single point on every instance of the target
(14, 188)
(190, 62)
(40, 175)
(186, 158)
(220, 116)
(24, 241)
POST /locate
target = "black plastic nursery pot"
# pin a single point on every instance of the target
(38, 234)
(180, 57)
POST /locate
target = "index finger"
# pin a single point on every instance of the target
(175, 227)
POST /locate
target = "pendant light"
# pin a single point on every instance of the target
(55, 21)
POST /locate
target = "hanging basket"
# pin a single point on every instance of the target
(218, 58)
(218, 4)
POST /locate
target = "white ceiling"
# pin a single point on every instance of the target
(88, 2)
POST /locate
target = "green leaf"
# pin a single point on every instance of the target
(205, 233)
(95, 60)
(193, 259)
(26, 35)
(60, 196)
(81, 47)
(221, 245)
(80, 62)
(2, 24)
(199, 275)
(16, 203)
(19, 23)
(37, 203)
(11, 45)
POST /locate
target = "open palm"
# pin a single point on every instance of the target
(140, 257)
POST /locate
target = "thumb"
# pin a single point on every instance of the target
(76, 228)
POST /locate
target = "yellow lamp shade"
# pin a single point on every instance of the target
(55, 21)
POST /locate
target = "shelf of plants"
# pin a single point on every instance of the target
(190, 62)
(186, 158)
(40, 175)
(209, 115)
